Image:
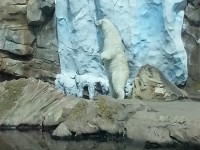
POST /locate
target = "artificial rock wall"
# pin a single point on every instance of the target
(191, 38)
(151, 33)
(28, 43)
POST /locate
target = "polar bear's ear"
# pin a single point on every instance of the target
(100, 22)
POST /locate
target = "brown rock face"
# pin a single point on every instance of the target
(191, 38)
(28, 44)
(32, 102)
(150, 83)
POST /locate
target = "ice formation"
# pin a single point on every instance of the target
(151, 33)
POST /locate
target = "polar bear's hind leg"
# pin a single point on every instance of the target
(118, 82)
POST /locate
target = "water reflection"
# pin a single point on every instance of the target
(35, 140)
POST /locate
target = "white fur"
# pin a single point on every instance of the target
(114, 59)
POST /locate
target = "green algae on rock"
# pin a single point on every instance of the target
(12, 92)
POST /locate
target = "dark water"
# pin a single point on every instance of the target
(35, 140)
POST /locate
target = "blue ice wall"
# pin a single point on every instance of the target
(150, 29)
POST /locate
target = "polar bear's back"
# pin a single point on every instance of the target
(110, 30)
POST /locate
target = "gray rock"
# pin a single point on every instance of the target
(104, 114)
(27, 51)
(192, 14)
(47, 54)
(20, 2)
(172, 122)
(32, 102)
(48, 7)
(191, 39)
(46, 36)
(61, 131)
(150, 83)
(18, 49)
(20, 35)
(33, 68)
(35, 16)
(36, 103)
(80, 118)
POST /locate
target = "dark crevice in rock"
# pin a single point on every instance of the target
(7, 127)
(17, 57)
(99, 88)
(50, 80)
(182, 86)
(175, 146)
(99, 136)
(18, 3)
(191, 3)
(176, 140)
(26, 127)
(48, 12)
(5, 76)
(192, 23)
(194, 4)
(85, 92)
(103, 136)
(16, 13)
(38, 28)
(151, 145)
(10, 40)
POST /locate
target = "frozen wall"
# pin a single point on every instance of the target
(150, 29)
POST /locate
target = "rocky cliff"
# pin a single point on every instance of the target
(31, 103)
(191, 38)
(28, 44)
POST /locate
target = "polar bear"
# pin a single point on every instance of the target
(114, 59)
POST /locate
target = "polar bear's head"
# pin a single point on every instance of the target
(105, 24)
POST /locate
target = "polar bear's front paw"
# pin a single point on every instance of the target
(104, 57)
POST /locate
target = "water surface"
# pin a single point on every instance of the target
(36, 140)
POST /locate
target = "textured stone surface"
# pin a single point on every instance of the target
(150, 84)
(28, 44)
(166, 123)
(104, 114)
(151, 32)
(61, 131)
(32, 102)
(36, 103)
(191, 38)
(35, 16)
(192, 12)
